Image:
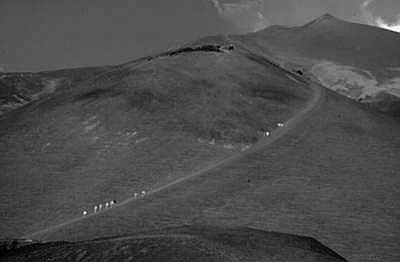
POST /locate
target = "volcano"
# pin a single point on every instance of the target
(263, 131)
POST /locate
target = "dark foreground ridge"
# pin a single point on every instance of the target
(188, 243)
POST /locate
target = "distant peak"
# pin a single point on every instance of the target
(327, 16)
(323, 19)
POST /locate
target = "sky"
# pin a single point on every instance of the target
(51, 34)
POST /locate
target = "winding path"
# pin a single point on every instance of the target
(311, 106)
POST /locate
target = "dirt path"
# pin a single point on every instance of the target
(311, 106)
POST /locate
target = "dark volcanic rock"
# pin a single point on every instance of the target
(193, 243)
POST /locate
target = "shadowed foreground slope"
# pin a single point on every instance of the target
(193, 243)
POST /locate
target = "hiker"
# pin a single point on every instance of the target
(100, 207)
(84, 212)
(107, 204)
(143, 193)
(264, 132)
(135, 196)
(95, 209)
(244, 148)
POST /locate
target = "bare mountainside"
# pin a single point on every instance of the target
(194, 243)
(184, 126)
(135, 127)
(19, 89)
(358, 61)
(333, 177)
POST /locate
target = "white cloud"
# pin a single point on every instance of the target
(366, 3)
(352, 82)
(377, 20)
(261, 24)
(218, 7)
(246, 15)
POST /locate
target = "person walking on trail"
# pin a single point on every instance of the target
(95, 209)
(135, 196)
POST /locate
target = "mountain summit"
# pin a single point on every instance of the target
(324, 19)
(356, 60)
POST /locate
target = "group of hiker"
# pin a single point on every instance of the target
(142, 194)
(98, 208)
(265, 132)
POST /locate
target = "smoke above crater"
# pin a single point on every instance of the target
(385, 16)
(245, 15)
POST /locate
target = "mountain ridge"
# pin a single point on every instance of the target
(353, 59)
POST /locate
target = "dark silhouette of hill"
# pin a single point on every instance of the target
(385, 102)
(190, 243)
(328, 38)
(363, 55)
